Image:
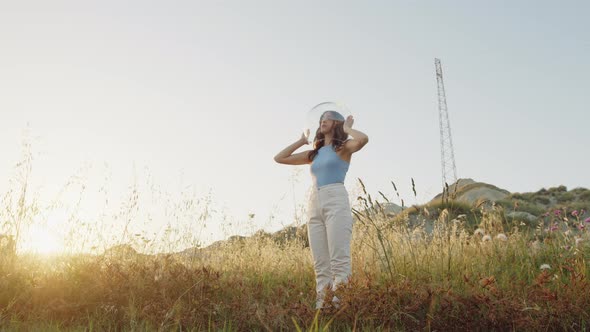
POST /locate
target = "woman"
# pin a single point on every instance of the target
(330, 217)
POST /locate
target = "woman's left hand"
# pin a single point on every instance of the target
(348, 123)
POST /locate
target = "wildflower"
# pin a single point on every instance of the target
(557, 212)
(501, 237)
(581, 226)
(486, 238)
(554, 227)
(575, 213)
(478, 231)
(545, 267)
(587, 220)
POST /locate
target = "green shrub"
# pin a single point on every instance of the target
(543, 191)
(531, 208)
(542, 200)
(505, 203)
(566, 197)
(517, 196)
(585, 196)
(455, 209)
(556, 190)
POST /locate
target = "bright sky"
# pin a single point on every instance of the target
(196, 97)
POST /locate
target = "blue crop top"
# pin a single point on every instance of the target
(327, 167)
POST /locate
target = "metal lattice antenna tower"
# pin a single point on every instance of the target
(449, 171)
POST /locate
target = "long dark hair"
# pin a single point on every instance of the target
(337, 140)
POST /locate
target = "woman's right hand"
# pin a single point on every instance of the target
(304, 137)
(287, 157)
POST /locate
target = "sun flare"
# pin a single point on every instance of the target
(40, 240)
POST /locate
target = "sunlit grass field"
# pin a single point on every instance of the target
(449, 266)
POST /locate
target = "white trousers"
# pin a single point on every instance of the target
(330, 232)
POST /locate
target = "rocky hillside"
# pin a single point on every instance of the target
(470, 191)
(534, 203)
(546, 200)
(466, 196)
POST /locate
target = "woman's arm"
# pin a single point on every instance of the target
(286, 156)
(359, 139)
